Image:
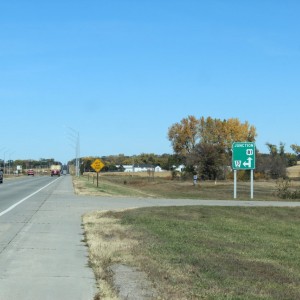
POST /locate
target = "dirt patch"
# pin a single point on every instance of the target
(131, 283)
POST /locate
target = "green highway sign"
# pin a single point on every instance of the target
(243, 156)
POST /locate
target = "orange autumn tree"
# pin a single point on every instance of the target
(184, 135)
(206, 142)
(225, 132)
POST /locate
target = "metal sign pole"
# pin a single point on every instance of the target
(243, 158)
(251, 184)
(97, 165)
(234, 188)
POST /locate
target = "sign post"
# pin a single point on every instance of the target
(243, 158)
(234, 185)
(97, 165)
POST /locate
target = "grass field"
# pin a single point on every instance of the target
(163, 187)
(195, 252)
(204, 252)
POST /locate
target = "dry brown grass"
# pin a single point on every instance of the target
(82, 188)
(164, 174)
(109, 243)
(294, 172)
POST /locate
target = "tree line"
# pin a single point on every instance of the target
(30, 163)
(204, 146)
(116, 162)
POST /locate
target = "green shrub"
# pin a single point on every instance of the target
(284, 189)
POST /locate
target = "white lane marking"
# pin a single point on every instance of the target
(24, 199)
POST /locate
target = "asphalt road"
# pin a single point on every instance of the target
(42, 255)
(13, 191)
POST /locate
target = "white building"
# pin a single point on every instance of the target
(180, 168)
(140, 168)
(128, 168)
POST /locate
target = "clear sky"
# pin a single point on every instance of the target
(121, 72)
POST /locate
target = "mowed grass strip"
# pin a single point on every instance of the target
(216, 252)
(85, 185)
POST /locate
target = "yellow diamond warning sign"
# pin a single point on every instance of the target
(97, 165)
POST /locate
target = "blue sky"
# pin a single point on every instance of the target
(121, 72)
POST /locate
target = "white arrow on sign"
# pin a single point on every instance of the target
(248, 164)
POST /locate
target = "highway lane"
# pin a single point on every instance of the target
(42, 253)
(14, 190)
(42, 250)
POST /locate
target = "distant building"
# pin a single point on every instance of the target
(180, 168)
(141, 168)
(127, 168)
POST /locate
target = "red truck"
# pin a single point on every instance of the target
(30, 172)
(55, 170)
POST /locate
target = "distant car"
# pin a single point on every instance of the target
(30, 172)
(1, 176)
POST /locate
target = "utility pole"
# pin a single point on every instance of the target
(9, 161)
(4, 161)
(3, 148)
(75, 138)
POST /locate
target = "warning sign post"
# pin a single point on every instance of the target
(97, 165)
